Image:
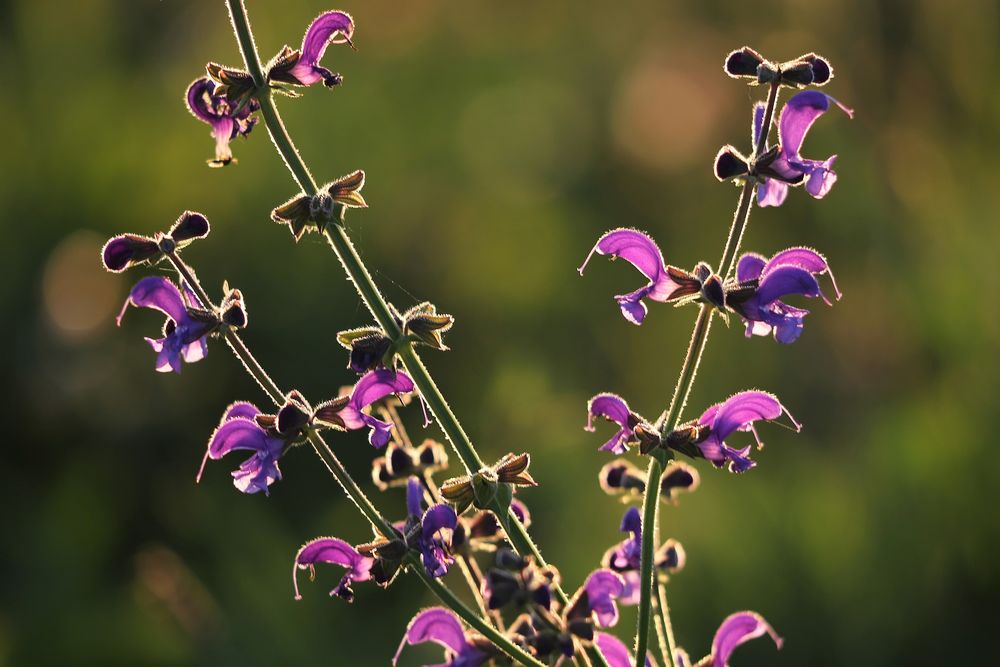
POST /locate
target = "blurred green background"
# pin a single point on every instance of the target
(500, 139)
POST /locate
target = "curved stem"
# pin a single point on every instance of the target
(672, 415)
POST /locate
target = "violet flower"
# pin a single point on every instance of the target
(642, 252)
(226, 122)
(620, 478)
(436, 526)
(301, 68)
(626, 556)
(737, 413)
(351, 414)
(596, 598)
(239, 430)
(762, 283)
(186, 328)
(336, 552)
(615, 651)
(441, 626)
(797, 116)
(737, 629)
(633, 428)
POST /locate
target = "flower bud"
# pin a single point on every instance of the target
(127, 250)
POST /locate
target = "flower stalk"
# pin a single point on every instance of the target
(685, 382)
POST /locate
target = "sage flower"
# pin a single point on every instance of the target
(789, 167)
(441, 626)
(596, 598)
(351, 413)
(615, 651)
(625, 557)
(301, 67)
(633, 428)
(436, 525)
(737, 629)
(227, 122)
(240, 429)
(621, 478)
(335, 552)
(737, 413)
(638, 249)
(186, 328)
(762, 283)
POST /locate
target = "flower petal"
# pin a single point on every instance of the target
(159, 294)
(737, 629)
(771, 193)
(615, 651)
(641, 252)
(749, 266)
(610, 406)
(328, 28)
(785, 280)
(798, 115)
(741, 410)
(603, 587)
(198, 98)
(437, 625)
(334, 551)
(242, 409)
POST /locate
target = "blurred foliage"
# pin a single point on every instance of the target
(500, 139)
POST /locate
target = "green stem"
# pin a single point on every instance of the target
(672, 415)
(664, 613)
(358, 273)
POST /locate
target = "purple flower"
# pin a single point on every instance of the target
(642, 252)
(239, 430)
(352, 415)
(762, 283)
(442, 626)
(204, 102)
(737, 629)
(789, 167)
(336, 552)
(737, 413)
(127, 250)
(633, 428)
(596, 598)
(187, 325)
(625, 557)
(615, 651)
(436, 526)
(302, 67)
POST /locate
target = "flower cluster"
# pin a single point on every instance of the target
(474, 521)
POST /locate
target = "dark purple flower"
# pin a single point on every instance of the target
(633, 428)
(737, 629)
(737, 413)
(615, 651)
(353, 415)
(204, 102)
(625, 557)
(239, 430)
(187, 325)
(336, 552)
(436, 526)
(762, 283)
(442, 626)
(517, 580)
(302, 68)
(789, 167)
(642, 252)
(127, 250)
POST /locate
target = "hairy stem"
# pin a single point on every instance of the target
(663, 611)
(672, 415)
(358, 273)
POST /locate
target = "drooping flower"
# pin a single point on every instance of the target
(336, 552)
(761, 283)
(735, 630)
(706, 437)
(187, 326)
(626, 556)
(633, 428)
(441, 626)
(240, 429)
(666, 283)
(301, 67)
(615, 651)
(351, 413)
(227, 122)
